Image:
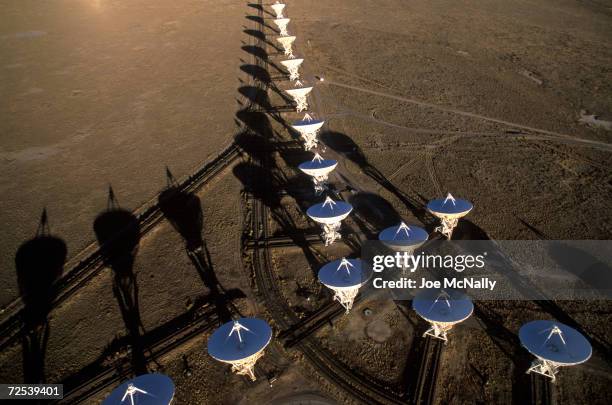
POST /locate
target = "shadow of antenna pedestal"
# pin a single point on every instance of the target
(39, 263)
(118, 234)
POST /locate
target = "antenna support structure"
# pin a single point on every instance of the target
(244, 366)
(546, 367)
(448, 223)
(320, 180)
(287, 44)
(346, 296)
(331, 231)
(309, 135)
(300, 97)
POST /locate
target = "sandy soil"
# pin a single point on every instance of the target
(515, 64)
(107, 92)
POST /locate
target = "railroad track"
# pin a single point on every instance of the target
(298, 331)
(427, 377)
(88, 264)
(359, 386)
(101, 375)
(282, 241)
(310, 324)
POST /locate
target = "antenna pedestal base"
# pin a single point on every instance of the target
(301, 103)
(346, 297)
(545, 368)
(294, 73)
(247, 366)
(283, 29)
(331, 233)
(438, 331)
(288, 51)
(310, 141)
(447, 226)
(320, 184)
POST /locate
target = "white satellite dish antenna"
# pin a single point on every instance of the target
(344, 277)
(300, 95)
(554, 345)
(240, 343)
(449, 210)
(330, 214)
(282, 24)
(319, 169)
(403, 238)
(442, 309)
(308, 129)
(287, 44)
(278, 9)
(293, 66)
(146, 389)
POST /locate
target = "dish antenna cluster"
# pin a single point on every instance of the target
(443, 309)
(308, 129)
(278, 9)
(240, 343)
(319, 169)
(293, 67)
(344, 277)
(147, 389)
(330, 214)
(449, 210)
(554, 345)
(282, 24)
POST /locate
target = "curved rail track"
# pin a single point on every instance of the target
(297, 332)
(102, 374)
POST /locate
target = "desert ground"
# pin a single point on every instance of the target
(506, 103)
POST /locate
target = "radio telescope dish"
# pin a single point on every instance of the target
(240, 343)
(287, 44)
(449, 210)
(300, 95)
(329, 214)
(293, 66)
(308, 129)
(278, 9)
(282, 23)
(344, 277)
(403, 238)
(319, 169)
(554, 345)
(442, 309)
(146, 389)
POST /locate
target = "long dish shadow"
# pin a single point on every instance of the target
(184, 211)
(106, 364)
(39, 263)
(262, 21)
(259, 7)
(262, 37)
(118, 234)
(259, 53)
(262, 75)
(372, 213)
(346, 147)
